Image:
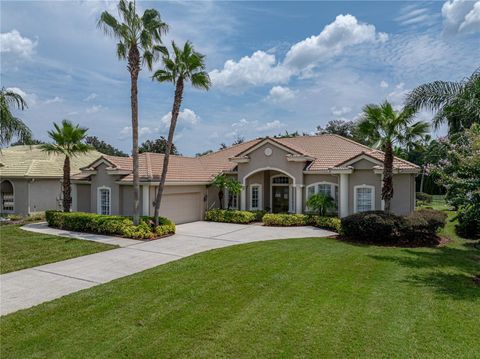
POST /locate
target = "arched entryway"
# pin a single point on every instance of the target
(269, 189)
(7, 197)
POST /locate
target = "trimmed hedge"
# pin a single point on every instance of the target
(424, 197)
(289, 220)
(418, 228)
(230, 216)
(109, 225)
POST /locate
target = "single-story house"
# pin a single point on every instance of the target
(30, 179)
(277, 174)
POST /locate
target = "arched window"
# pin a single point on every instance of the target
(280, 180)
(7, 196)
(326, 188)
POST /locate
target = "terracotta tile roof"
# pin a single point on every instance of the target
(329, 151)
(32, 162)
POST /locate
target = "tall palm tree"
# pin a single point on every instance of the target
(383, 127)
(187, 65)
(68, 141)
(10, 126)
(139, 41)
(456, 103)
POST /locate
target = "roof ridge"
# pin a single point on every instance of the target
(149, 165)
(230, 147)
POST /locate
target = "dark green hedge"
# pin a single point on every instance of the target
(418, 228)
(109, 225)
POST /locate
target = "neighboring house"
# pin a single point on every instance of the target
(30, 179)
(278, 175)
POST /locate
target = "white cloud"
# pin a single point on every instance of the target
(461, 16)
(279, 94)
(14, 43)
(273, 125)
(345, 31)
(90, 97)
(259, 69)
(383, 84)
(53, 100)
(30, 98)
(186, 116)
(94, 109)
(339, 111)
(126, 132)
(397, 96)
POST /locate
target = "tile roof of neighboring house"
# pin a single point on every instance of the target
(32, 162)
(329, 151)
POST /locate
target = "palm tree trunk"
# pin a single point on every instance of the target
(220, 198)
(387, 188)
(422, 178)
(166, 158)
(134, 69)
(67, 189)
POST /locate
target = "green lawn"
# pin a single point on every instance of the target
(309, 297)
(21, 249)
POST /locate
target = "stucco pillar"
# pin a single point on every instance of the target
(74, 197)
(243, 199)
(343, 194)
(145, 200)
(298, 199)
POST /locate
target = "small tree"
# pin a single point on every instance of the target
(68, 141)
(234, 187)
(220, 181)
(321, 203)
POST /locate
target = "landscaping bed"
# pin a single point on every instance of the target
(110, 225)
(289, 220)
(377, 227)
(234, 216)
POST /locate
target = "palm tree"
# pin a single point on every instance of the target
(321, 203)
(68, 141)
(456, 103)
(220, 181)
(186, 65)
(10, 126)
(383, 127)
(139, 41)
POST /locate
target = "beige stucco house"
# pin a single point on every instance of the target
(30, 179)
(278, 175)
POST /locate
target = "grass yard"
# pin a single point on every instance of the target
(21, 249)
(307, 297)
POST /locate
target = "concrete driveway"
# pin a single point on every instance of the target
(33, 286)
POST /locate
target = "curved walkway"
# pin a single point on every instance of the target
(33, 286)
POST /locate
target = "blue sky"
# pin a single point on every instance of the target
(275, 66)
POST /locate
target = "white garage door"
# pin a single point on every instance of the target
(182, 207)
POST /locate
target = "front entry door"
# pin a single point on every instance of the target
(280, 197)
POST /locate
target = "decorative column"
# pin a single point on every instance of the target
(298, 198)
(74, 197)
(343, 195)
(243, 198)
(145, 200)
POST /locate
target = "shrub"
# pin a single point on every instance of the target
(109, 225)
(418, 228)
(468, 222)
(285, 220)
(230, 216)
(331, 223)
(424, 197)
(259, 215)
(372, 226)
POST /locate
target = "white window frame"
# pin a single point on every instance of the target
(290, 191)
(226, 197)
(355, 190)
(260, 195)
(332, 190)
(99, 199)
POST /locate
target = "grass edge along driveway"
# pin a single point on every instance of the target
(311, 297)
(21, 249)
